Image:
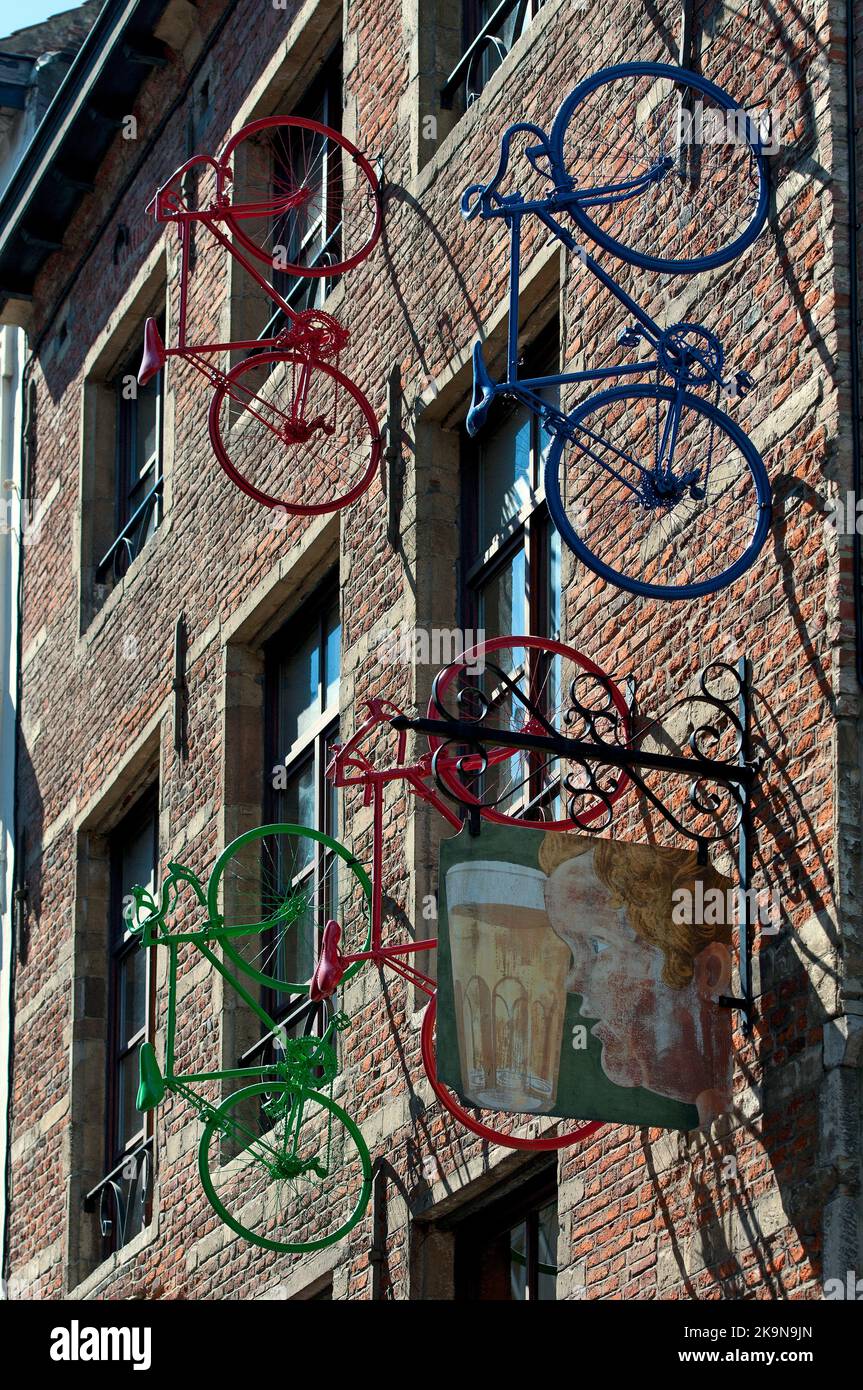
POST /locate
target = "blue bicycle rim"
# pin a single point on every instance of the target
(619, 249)
(622, 581)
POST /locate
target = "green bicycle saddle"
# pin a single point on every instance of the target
(151, 1087)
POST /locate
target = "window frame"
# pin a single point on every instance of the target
(120, 947)
(476, 1233)
(468, 76)
(529, 530)
(150, 509)
(325, 91)
(311, 746)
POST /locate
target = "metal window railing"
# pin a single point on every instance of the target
(132, 538)
(494, 40)
(123, 1199)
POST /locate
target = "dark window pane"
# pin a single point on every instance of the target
(518, 1261)
(503, 600)
(136, 863)
(133, 994)
(146, 429)
(130, 1119)
(546, 1266)
(299, 805)
(332, 658)
(554, 581)
(299, 694)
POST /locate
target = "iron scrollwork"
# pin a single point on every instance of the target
(122, 1199)
(599, 748)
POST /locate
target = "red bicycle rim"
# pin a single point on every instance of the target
(449, 1102)
(456, 786)
(267, 499)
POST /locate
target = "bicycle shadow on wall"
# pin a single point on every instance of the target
(743, 1221)
(792, 108)
(448, 285)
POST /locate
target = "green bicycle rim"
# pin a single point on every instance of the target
(262, 832)
(291, 1247)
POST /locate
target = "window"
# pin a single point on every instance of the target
(133, 860)
(302, 723)
(512, 556)
(315, 239)
(490, 29)
(508, 1251)
(511, 582)
(138, 441)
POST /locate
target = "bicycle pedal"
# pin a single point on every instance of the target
(745, 383)
(628, 337)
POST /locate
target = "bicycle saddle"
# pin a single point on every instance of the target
(330, 967)
(154, 353)
(483, 393)
(151, 1087)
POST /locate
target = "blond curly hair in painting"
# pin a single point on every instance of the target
(642, 878)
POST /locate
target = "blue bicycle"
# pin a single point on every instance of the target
(669, 497)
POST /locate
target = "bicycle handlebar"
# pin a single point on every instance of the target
(166, 203)
(478, 196)
(168, 894)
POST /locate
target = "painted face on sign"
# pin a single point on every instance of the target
(674, 1042)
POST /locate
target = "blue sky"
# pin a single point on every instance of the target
(19, 14)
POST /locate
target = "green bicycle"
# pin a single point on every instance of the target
(280, 1162)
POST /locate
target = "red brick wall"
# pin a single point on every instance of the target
(643, 1214)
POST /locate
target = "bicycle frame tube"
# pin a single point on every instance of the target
(373, 783)
(173, 1078)
(209, 219)
(651, 328)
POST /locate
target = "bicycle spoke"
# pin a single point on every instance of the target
(664, 170)
(697, 515)
(298, 1181)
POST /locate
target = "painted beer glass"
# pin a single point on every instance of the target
(509, 982)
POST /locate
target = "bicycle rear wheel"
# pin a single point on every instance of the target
(302, 438)
(492, 1125)
(290, 203)
(286, 1172)
(275, 888)
(597, 474)
(668, 171)
(538, 686)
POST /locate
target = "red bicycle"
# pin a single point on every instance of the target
(287, 426)
(524, 684)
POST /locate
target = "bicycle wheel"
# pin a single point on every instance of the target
(537, 686)
(289, 202)
(668, 172)
(489, 1129)
(275, 888)
(284, 1172)
(601, 492)
(303, 439)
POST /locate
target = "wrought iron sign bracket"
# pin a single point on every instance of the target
(602, 756)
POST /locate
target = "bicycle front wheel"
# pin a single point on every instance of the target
(600, 484)
(294, 434)
(528, 685)
(274, 888)
(285, 1170)
(667, 171)
(301, 196)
